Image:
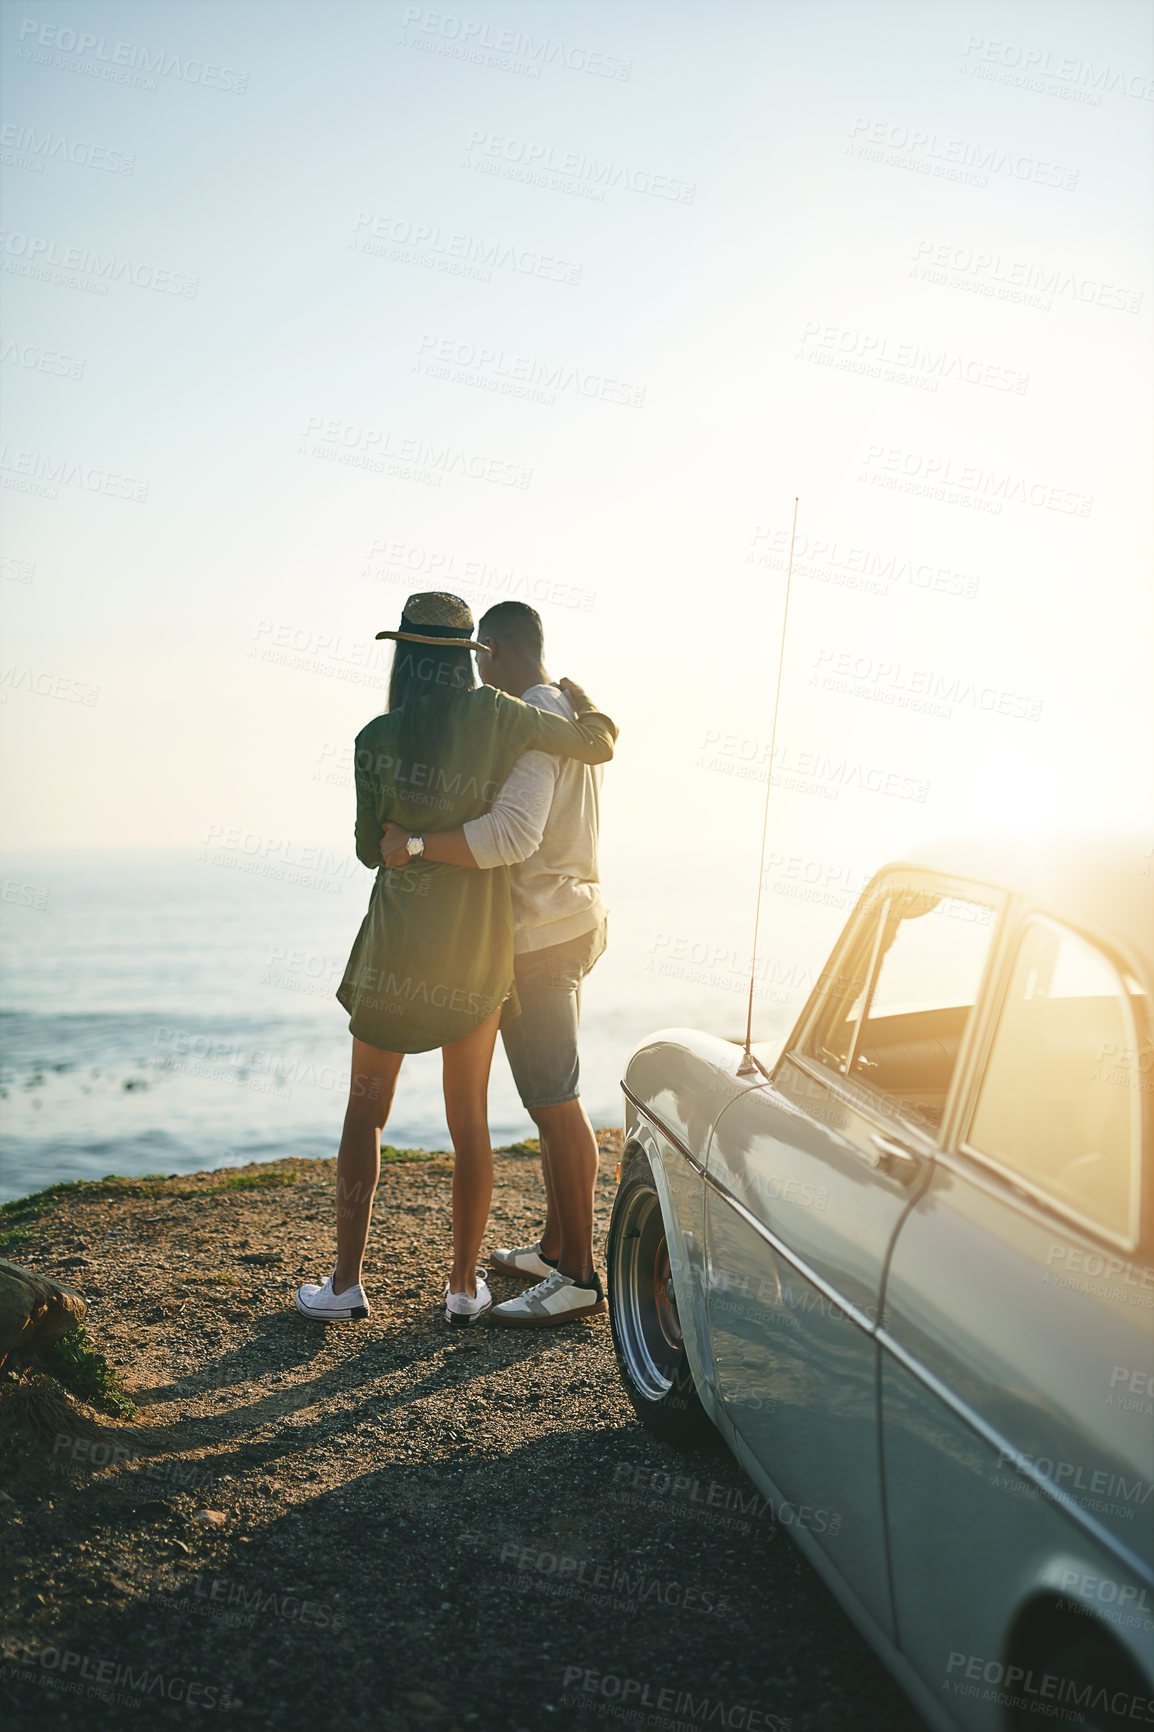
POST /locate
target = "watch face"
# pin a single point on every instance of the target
(416, 845)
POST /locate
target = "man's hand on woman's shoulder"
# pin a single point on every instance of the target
(577, 696)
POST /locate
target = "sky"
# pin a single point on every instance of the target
(308, 306)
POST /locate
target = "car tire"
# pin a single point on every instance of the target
(1080, 1654)
(643, 1318)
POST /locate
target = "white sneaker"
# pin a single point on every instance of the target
(523, 1260)
(557, 1299)
(461, 1309)
(324, 1306)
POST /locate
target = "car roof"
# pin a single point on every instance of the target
(1102, 885)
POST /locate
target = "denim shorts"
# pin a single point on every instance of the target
(541, 1044)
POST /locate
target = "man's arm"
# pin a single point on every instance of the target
(368, 826)
(504, 836)
(448, 846)
(590, 737)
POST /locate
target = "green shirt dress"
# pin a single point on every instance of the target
(434, 955)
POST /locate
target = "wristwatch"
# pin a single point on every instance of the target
(415, 846)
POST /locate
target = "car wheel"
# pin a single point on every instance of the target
(643, 1315)
(1098, 1684)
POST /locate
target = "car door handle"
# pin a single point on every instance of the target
(893, 1157)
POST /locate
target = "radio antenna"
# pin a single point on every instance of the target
(748, 1065)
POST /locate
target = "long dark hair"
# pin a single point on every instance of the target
(425, 686)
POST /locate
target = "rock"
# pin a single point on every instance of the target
(34, 1310)
(210, 1518)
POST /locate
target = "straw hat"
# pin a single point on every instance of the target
(435, 617)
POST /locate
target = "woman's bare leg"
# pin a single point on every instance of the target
(466, 1076)
(371, 1089)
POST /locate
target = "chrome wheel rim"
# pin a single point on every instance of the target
(644, 1303)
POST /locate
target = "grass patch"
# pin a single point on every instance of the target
(249, 1182)
(15, 1239)
(16, 1216)
(87, 1374)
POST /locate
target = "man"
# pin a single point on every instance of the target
(543, 825)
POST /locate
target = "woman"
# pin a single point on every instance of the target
(433, 961)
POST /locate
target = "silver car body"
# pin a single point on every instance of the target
(939, 1377)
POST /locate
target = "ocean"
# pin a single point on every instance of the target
(167, 1012)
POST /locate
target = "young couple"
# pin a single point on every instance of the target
(478, 808)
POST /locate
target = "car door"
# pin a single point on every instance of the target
(1017, 1352)
(807, 1181)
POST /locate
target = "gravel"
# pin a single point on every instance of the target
(387, 1524)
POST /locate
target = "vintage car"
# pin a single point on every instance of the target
(904, 1268)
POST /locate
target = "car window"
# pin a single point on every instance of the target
(897, 1016)
(1059, 1104)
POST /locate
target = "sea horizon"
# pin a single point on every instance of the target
(166, 1013)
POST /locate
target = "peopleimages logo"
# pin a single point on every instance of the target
(475, 39)
(403, 560)
(952, 158)
(925, 689)
(404, 242)
(1096, 1267)
(382, 451)
(585, 1579)
(583, 1686)
(520, 375)
(1030, 65)
(115, 62)
(1019, 280)
(41, 147)
(89, 1454)
(105, 1675)
(855, 567)
(941, 478)
(34, 472)
(496, 153)
(1124, 1602)
(1021, 1686)
(879, 356)
(1098, 1489)
(23, 895)
(40, 360)
(225, 1599)
(681, 957)
(38, 254)
(806, 772)
(46, 685)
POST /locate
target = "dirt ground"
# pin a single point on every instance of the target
(386, 1525)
